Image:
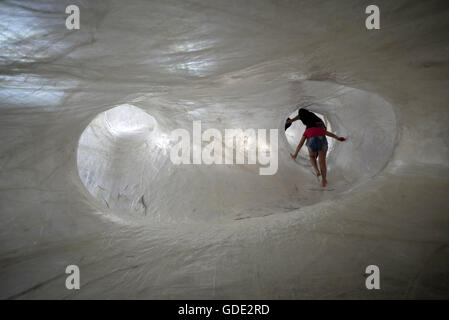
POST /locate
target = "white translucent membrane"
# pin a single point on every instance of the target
(222, 231)
(123, 164)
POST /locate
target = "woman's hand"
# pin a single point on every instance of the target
(293, 156)
(341, 139)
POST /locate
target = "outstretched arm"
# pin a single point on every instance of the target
(301, 143)
(330, 134)
(293, 119)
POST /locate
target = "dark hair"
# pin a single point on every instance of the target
(309, 119)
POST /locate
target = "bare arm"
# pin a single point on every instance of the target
(301, 143)
(330, 134)
(293, 119)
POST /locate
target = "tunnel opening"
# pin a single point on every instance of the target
(366, 119)
(113, 140)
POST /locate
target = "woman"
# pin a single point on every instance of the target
(315, 134)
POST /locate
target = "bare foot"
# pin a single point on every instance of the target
(324, 183)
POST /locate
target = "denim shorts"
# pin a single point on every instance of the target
(318, 143)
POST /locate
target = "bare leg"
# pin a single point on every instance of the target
(312, 156)
(322, 161)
